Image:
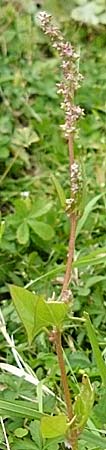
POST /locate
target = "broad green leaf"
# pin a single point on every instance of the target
(19, 408)
(25, 303)
(94, 343)
(53, 426)
(59, 190)
(21, 432)
(89, 207)
(84, 402)
(43, 230)
(35, 312)
(23, 233)
(49, 314)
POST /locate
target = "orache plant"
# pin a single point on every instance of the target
(51, 316)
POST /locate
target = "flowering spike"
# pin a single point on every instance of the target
(71, 77)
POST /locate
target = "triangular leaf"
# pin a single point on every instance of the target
(53, 426)
(49, 314)
(25, 303)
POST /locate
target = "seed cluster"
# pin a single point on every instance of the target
(71, 77)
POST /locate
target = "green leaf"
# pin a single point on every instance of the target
(83, 403)
(25, 303)
(18, 408)
(35, 431)
(23, 233)
(43, 230)
(40, 208)
(98, 356)
(24, 137)
(24, 444)
(99, 410)
(20, 432)
(78, 360)
(86, 13)
(86, 213)
(94, 280)
(59, 190)
(93, 441)
(93, 258)
(35, 312)
(49, 314)
(53, 426)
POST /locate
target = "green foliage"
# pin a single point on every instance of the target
(92, 337)
(35, 312)
(84, 403)
(53, 426)
(19, 409)
(90, 12)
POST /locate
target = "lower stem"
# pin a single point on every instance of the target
(72, 436)
(59, 352)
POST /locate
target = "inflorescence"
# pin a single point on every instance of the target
(76, 186)
(71, 77)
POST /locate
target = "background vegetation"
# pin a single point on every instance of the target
(34, 179)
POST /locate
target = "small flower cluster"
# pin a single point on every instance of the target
(67, 296)
(76, 183)
(71, 78)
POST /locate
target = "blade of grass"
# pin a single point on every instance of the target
(18, 408)
(94, 343)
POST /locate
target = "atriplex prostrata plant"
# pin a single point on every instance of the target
(35, 312)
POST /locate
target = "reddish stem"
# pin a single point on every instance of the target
(73, 221)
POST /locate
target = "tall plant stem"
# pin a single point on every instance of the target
(67, 276)
(71, 246)
(73, 221)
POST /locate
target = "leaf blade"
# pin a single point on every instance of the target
(98, 357)
(53, 426)
(43, 230)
